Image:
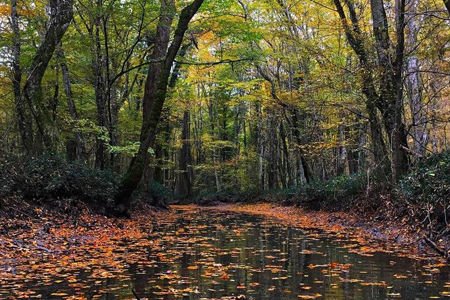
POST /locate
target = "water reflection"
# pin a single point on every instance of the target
(214, 255)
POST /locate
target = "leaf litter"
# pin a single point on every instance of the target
(193, 253)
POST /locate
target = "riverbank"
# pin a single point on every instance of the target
(397, 236)
(29, 232)
(413, 212)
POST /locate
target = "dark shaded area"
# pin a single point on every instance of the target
(51, 179)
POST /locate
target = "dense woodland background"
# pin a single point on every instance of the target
(258, 96)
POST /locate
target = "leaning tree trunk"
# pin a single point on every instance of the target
(155, 93)
(61, 13)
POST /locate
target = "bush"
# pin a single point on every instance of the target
(427, 191)
(9, 173)
(429, 181)
(158, 195)
(337, 193)
(52, 177)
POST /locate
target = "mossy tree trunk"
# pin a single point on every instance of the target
(29, 100)
(162, 59)
(387, 97)
(390, 64)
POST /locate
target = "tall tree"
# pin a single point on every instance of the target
(162, 59)
(390, 62)
(24, 119)
(355, 38)
(75, 146)
(60, 16)
(414, 87)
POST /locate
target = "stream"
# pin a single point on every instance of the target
(218, 255)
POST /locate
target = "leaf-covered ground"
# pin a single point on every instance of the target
(213, 253)
(396, 235)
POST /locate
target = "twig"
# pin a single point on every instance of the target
(213, 63)
(436, 248)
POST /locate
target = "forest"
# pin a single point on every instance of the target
(206, 125)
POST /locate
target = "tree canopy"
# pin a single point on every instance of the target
(198, 97)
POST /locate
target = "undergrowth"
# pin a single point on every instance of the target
(426, 193)
(49, 177)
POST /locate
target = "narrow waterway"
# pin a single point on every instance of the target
(214, 255)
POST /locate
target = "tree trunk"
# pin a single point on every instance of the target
(303, 167)
(374, 100)
(183, 180)
(28, 101)
(183, 183)
(342, 154)
(391, 85)
(381, 157)
(414, 85)
(75, 147)
(100, 91)
(287, 164)
(24, 119)
(155, 93)
(61, 13)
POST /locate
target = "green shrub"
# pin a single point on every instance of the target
(52, 177)
(9, 172)
(429, 181)
(336, 193)
(160, 191)
(426, 190)
(229, 196)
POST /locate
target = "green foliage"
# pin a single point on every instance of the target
(159, 191)
(266, 84)
(129, 149)
(229, 196)
(235, 177)
(336, 193)
(51, 177)
(9, 172)
(429, 181)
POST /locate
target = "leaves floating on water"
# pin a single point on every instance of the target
(208, 255)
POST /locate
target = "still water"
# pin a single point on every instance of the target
(217, 255)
